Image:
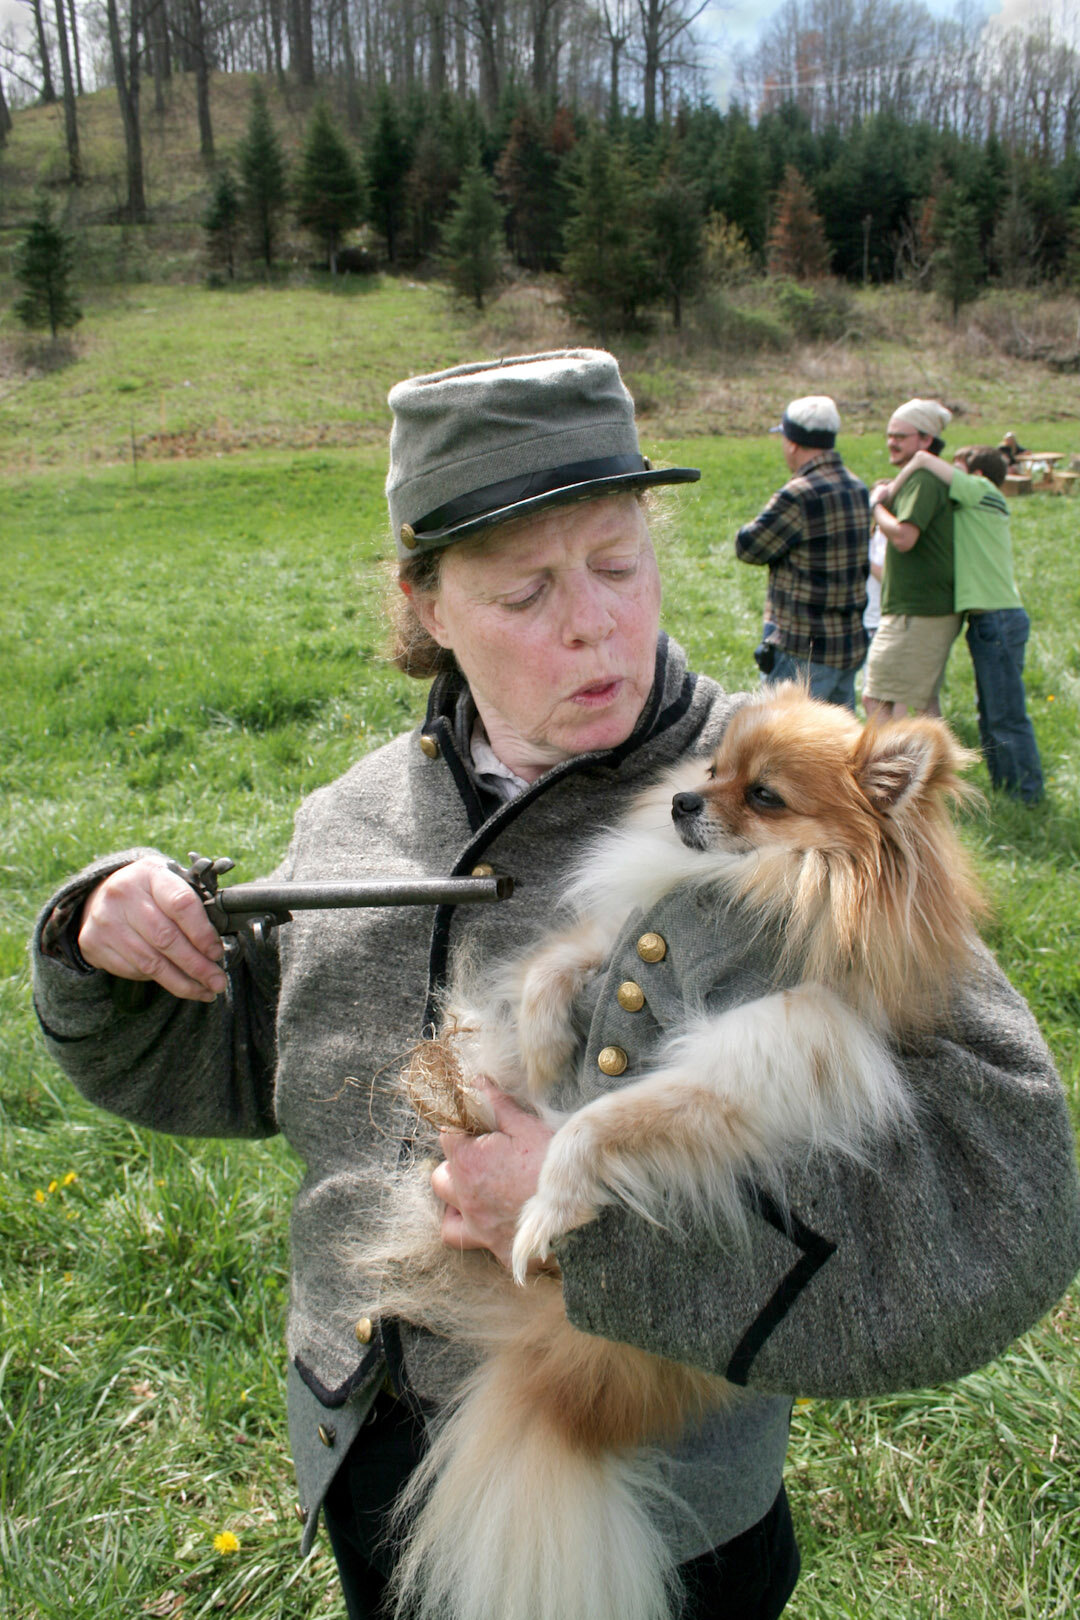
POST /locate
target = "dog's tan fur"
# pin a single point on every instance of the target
(837, 841)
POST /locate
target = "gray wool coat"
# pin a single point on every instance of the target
(868, 1280)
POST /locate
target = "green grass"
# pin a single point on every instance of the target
(185, 653)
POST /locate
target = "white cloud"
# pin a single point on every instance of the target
(14, 18)
(1063, 16)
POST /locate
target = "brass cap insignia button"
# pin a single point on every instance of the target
(327, 1434)
(652, 947)
(484, 869)
(630, 996)
(429, 745)
(364, 1330)
(612, 1060)
(408, 536)
(301, 1512)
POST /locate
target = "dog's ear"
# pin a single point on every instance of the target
(897, 763)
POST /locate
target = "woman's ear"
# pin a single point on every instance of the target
(426, 608)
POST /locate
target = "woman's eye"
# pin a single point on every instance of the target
(621, 568)
(763, 798)
(517, 602)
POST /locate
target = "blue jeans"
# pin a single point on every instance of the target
(828, 684)
(997, 641)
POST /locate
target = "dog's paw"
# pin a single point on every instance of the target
(539, 1224)
(567, 1196)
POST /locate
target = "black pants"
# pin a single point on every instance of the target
(750, 1578)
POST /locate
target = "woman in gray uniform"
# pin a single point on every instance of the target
(531, 595)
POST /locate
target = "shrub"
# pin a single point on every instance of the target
(826, 310)
(732, 330)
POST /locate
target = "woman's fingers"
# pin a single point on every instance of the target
(145, 922)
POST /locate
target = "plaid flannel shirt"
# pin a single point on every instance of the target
(814, 538)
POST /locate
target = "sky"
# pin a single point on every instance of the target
(727, 23)
(732, 23)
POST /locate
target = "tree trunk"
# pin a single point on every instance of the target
(461, 52)
(71, 125)
(202, 80)
(437, 59)
(352, 99)
(158, 32)
(301, 41)
(127, 91)
(274, 10)
(48, 92)
(650, 40)
(5, 115)
(486, 16)
(74, 35)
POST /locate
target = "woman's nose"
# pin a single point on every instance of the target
(588, 615)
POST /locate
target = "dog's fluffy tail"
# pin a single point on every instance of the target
(516, 1513)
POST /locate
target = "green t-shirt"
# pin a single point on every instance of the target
(984, 560)
(921, 581)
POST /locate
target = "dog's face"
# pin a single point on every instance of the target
(795, 774)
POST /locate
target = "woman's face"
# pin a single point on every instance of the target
(554, 623)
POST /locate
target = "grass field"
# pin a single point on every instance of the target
(190, 643)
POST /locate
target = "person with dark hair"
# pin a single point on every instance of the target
(997, 625)
(532, 590)
(813, 536)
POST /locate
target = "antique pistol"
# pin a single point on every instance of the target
(258, 907)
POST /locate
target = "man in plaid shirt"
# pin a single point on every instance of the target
(814, 538)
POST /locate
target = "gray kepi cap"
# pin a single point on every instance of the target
(481, 444)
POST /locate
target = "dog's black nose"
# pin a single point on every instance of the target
(686, 804)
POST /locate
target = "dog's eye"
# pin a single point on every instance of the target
(763, 798)
(711, 773)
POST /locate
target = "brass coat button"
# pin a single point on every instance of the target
(612, 1060)
(301, 1512)
(429, 745)
(484, 869)
(327, 1434)
(408, 536)
(652, 947)
(364, 1330)
(630, 996)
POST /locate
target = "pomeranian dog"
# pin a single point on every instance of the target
(541, 1493)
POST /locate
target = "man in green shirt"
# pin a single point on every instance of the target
(919, 622)
(997, 625)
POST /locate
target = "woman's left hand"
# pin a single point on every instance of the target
(485, 1180)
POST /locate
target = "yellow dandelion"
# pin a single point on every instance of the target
(1050, 697)
(225, 1542)
(70, 1179)
(69, 1276)
(53, 1186)
(39, 1196)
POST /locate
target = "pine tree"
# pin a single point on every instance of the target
(1072, 259)
(677, 242)
(330, 196)
(528, 176)
(610, 277)
(263, 188)
(958, 262)
(387, 165)
(221, 222)
(44, 265)
(471, 237)
(797, 243)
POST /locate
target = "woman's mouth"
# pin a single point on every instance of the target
(597, 694)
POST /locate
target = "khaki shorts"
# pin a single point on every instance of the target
(907, 658)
